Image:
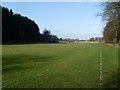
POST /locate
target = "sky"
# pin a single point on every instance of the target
(76, 20)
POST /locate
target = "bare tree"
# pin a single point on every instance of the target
(111, 14)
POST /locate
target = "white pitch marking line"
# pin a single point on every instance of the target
(101, 79)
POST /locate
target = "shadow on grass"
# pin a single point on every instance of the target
(111, 81)
(19, 59)
(15, 68)
(22, 62)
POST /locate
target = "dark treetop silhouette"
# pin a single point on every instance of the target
(20, 29)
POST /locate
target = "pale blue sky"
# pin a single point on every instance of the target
(66, 20)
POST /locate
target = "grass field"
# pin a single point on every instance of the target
(58, 65)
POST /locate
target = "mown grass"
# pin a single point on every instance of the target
(57, 65)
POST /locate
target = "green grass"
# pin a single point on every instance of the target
(58, 65)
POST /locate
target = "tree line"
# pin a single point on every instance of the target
(111, 16)
(20, 29)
